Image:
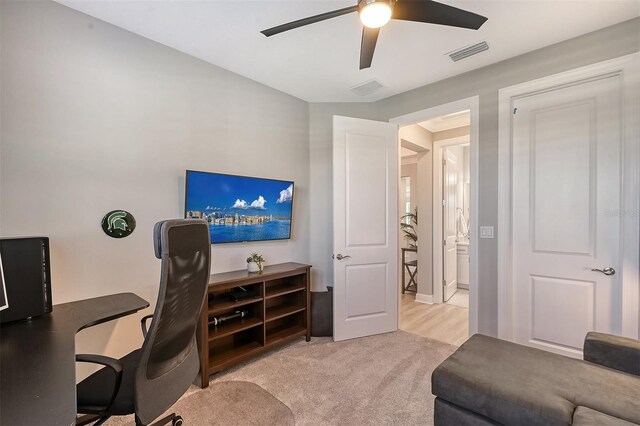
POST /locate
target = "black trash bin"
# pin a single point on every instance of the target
(322, 313)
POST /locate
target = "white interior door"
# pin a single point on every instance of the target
(449, 206)
(365, 227)
(566, 192)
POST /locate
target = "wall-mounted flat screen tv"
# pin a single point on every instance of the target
(240, 208)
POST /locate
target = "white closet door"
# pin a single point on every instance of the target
(566, 192)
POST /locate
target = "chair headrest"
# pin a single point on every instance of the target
(157, 243)
(162, 228)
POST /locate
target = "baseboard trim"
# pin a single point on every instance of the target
(424, 298)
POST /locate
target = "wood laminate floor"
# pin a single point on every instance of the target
(442, 322)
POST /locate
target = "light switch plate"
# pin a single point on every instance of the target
(486, 232)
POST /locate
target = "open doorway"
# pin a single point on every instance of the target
(438, 293)
(451, 141)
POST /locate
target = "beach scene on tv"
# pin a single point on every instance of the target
(240, 208)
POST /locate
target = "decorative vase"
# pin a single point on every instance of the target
(253, 267)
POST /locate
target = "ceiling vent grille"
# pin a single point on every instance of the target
(367, 88)
(465, 52)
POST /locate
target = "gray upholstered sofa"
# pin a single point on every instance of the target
(488, 381)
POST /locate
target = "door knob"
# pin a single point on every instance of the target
(340, 257)
(607, 271)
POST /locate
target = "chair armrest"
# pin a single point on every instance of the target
(619, 353)
(112, 363)
(143, 324)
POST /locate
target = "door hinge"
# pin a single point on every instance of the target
(444, 202)
(514, 111)
(444, 243)
(444, 162)
(444, 282)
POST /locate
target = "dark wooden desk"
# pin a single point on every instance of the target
(37, 359)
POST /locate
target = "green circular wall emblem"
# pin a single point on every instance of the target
(118, 224)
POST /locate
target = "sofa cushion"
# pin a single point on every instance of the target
(615, 352)
(584, 416)
(515, 384)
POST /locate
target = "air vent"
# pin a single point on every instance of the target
(465, 52)
(367, 88)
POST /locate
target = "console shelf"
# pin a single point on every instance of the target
(278, 312)
(281, 289)
(221, 307)
(283, 334)
(220, 331)
(284, 311)
(220, 361)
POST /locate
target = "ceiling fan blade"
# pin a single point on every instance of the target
(310, 20)
(368, 46)
(433, 12)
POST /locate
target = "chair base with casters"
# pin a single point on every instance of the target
(118, 374)
(90, 418)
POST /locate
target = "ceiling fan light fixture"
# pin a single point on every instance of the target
(375, 13)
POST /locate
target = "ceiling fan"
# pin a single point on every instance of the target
(374, 14)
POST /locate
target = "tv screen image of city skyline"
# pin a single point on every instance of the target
(240, 208)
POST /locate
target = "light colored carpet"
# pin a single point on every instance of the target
(460, 298)
(376, 380)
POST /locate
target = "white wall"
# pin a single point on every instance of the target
(466, 179)
(421, 137)
(458, 152)
(95, 118)
(415, 137)
(410, 171)
(425, 221)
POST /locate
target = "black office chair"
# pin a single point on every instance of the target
(149, 380)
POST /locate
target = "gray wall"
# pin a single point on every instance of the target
(96, 118)
(321, 169)
(608, 43)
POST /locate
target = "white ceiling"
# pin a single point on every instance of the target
(447, 122)
(440, 124)
(406, 152)
(319, 63)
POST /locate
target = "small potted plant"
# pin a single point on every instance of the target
(254, 262)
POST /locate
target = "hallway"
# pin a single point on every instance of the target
(443, 322)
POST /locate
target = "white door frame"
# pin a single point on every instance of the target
(438, 220)
(628, 68)
(473, 105)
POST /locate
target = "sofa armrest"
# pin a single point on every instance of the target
(619, 353)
